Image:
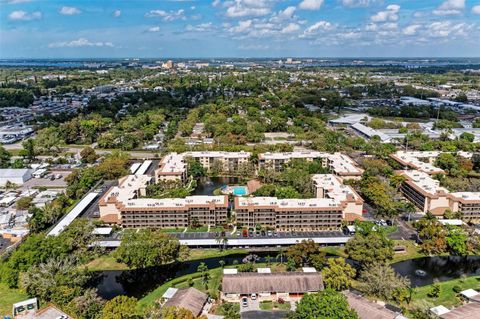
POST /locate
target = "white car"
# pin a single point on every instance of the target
(244, 302)
(254, 296)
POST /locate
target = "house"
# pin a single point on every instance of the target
(188, 298)
(30, 309)
(270, 286)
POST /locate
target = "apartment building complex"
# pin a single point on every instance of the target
(334, 203)
(123, 205)
(174, 166)
(427, 194)
(337, 163)
(423, 161)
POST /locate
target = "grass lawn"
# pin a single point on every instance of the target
(447, 296)
(411, 253)
(213, 252)
(335, 251)
(274, 305)
(106, 262)
(8, 297)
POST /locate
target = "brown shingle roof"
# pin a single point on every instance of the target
(291, 282)
(189, 298)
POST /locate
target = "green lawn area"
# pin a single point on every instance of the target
(274, 305)
(211, 253)
(411, 253)
(447, 296)
(334, 251)
(106, 262)
(8, 297)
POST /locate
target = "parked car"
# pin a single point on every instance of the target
(269, 233)
(254, 296)
(244, 302)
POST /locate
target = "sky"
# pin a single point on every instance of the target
(239, 28)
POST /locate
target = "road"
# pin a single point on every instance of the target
(403, 232)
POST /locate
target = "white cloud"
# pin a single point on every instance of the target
(357, 3)
(287, 13)
(476, 9)
(444, 29)
(411, 29)
(154, 29)
(318, 26)
(450, 7)
(391, 14)
(245, 8)
(80, 42)
(69, 11)
(24, 16)
(16, 1)
(117, 13)
(310, 4)
(290, 28)
(166, 16)
(241, 27)
(202, 27)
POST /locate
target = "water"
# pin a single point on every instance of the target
(137, 283)
(206, 185)
(439, 268)
(240, 190)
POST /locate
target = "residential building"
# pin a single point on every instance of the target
(124, 205)
(270, 286)
(337, 163)
(188, 298)
(423, 161)
(427, 194)
(174, 166)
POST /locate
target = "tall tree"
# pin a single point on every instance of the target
(338, 274)
(325, 304)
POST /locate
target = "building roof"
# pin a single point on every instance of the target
(370, 132)
(292, 282)
(13, 172)
(367, 309)
(170, 293)
(468, 311)
(189, 298)
(440, 310)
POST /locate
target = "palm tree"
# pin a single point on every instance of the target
(218, 240)
(280, 255)
(224, 242)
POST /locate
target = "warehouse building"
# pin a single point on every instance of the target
(17, 176)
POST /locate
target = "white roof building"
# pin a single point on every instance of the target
(17, 176)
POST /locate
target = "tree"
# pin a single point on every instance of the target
(457, 241)
(5, 157)
(55, 280)
(306, 253)
(369, 245)
(87, 306)
(203, 268)
(231, 311)
(24, 203)
(381, 281)
(120, 307)
(446, 161)
(113, 165)
(147, 248)
(195, 169)
(325, 304)
(338, 275)
(88, 155)
(159, 312)
(28, 150)
(48, 140)
(432, 235)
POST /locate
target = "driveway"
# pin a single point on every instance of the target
(403, 232)
(264, 314)
(253, 305)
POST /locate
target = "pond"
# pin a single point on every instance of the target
(137, 283)
(423, 271)
(206, 185)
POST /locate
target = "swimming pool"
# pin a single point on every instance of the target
(239, 190)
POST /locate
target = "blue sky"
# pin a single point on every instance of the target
(239, 28)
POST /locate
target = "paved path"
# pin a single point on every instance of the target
(264, 315)
(403, 232)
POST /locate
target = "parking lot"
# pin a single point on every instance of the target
(47, 181)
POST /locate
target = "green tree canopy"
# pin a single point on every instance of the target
(327, 304)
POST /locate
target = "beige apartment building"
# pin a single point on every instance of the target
(124, 206)
(337, 163)
(173, 167)
(427, 194)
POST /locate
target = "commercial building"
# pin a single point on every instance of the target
(370, 133)
(337, 163)
(123, 205)
(17, 176)
(270, 286)
(427, 194)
